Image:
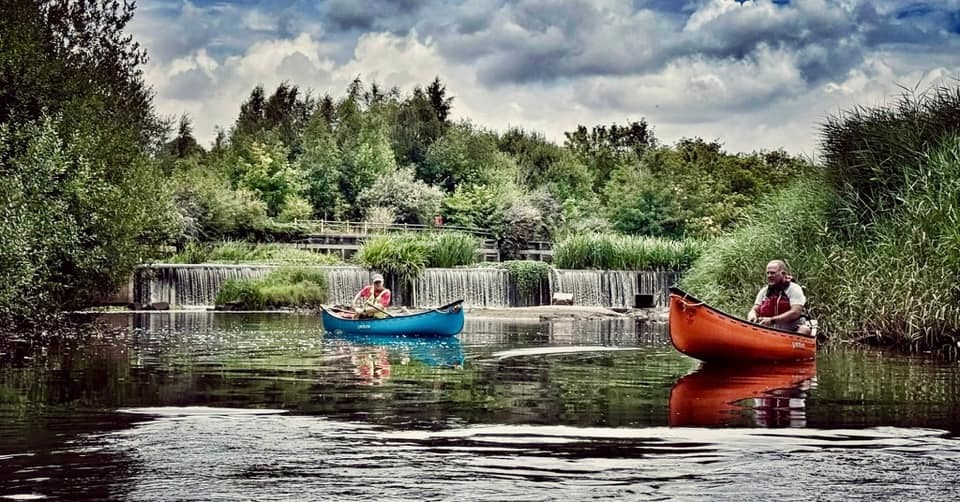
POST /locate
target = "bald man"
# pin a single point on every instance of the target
(780, 303)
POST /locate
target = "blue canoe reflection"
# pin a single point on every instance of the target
(764, 395)
(444, 352)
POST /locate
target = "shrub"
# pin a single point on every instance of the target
(285, 287)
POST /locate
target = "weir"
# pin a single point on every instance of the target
(196, 286)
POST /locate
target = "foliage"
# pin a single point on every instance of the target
(452, 249)
(210, 209)
(604, 149)
(462, 155)
(471, 206)
(527, 274)
(871, 151)
(295, 208)
(243, 252)
(618, 252)
(321, 165)
(284, 287)
(263, 169)
(411, 200)
(405, 255)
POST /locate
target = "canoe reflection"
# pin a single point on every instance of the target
(372, 354)
(768, 395)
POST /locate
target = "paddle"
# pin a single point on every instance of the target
(449, 305)
(374, 305)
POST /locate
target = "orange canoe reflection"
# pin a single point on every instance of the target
(768, 395)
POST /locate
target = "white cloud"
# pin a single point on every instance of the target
(763, 98)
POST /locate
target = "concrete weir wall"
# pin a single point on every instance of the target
(196, 286)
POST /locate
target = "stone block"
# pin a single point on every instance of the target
(562, 299)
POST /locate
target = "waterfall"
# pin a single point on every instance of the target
(479, 287)
(188, 286)
(196, 286)
(611, 288)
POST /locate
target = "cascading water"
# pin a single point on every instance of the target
(610, 288)
(478, 287)
(196, 286)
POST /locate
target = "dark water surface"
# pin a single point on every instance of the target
(205, 406)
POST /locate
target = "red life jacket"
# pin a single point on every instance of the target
(776, 301)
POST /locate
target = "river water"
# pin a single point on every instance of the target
(228, 406)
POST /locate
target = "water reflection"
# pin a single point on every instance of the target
(768, 395)
(371, 354)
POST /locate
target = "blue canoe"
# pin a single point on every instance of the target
(441, 321)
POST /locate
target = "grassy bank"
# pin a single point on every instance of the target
(875, 239)
(292, 287)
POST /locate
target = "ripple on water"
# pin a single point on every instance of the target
(285, 457)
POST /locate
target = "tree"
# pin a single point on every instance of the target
(184, 144)
(603, 149)
(417, 127)
(79, 130)
(441, 104)
(410, 200)
(322, 164)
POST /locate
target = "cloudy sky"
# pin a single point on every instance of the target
(753, 74)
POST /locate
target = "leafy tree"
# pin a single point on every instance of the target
(78, 131)
(417, 127)
(471, 206)
(370, 158)
(264, 170)
(184, 144)
(321, 165)
(534, 155)
(284, 112)
(411, 200)
(604, 149)
(463, 155)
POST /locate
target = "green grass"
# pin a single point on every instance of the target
(244, 252)
(619, 252)
(286, 287)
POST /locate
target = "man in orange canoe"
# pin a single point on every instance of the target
(780, 303)
(372, 300)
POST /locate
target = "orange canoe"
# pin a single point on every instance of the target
(764, 394)
(705, 333)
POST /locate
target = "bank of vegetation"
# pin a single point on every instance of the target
(874, 237)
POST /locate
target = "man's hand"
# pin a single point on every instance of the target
(752, 316)
(766, 321)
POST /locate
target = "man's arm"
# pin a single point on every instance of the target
(752, 315)
(795, 312)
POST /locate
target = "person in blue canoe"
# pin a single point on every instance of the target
(780, 303)
(372, 301)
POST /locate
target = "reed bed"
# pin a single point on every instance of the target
(874, 240)
(405, 255)
(607, 251)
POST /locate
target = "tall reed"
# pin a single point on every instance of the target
(619, 252)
